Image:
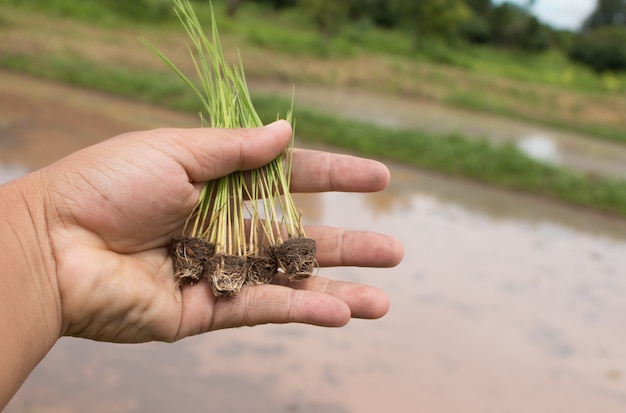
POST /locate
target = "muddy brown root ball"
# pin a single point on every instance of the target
(296, 257)
(190, 257)
(226, 274)
(260, 269)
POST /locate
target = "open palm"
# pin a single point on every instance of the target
(113, 208)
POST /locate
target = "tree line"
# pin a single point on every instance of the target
(476, 21)
(599, 44)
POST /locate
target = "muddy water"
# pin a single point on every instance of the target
(502, 304)
(10, 172)
(545, 144)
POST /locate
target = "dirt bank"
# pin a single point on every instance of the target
(42, 121)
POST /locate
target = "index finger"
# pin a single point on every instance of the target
(318, 171)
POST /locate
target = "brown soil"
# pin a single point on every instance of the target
(43, 121)
(296, 257)
(226, 274)
(260, 269)
(190, 256)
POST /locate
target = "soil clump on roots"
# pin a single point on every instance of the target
(226, 274)
(260, 269)
(191, 256)
(296, 257)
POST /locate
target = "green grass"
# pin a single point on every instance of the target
(101, 12)
(453, 155)
(550, 68)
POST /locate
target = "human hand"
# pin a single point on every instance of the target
(112, 208)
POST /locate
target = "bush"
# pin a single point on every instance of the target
(328, 15)
(601, 49)
(475, 30)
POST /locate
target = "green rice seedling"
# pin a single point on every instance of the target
(246, 225)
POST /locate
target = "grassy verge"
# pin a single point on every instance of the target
(502, 166)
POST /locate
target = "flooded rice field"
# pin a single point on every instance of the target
(542, 143)
(503, 303)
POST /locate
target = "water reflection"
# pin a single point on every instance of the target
(10, 172)
(495, 308)
(540, 148)
(497, 205)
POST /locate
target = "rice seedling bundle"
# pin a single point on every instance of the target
(245, 228)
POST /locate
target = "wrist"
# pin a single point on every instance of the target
(30, 308)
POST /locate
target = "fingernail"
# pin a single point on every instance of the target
(275, 125)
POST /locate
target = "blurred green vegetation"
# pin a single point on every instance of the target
(105, 12)
(602, 49)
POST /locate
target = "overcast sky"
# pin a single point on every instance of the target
(562, 14)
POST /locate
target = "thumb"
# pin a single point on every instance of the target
(209, 153)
